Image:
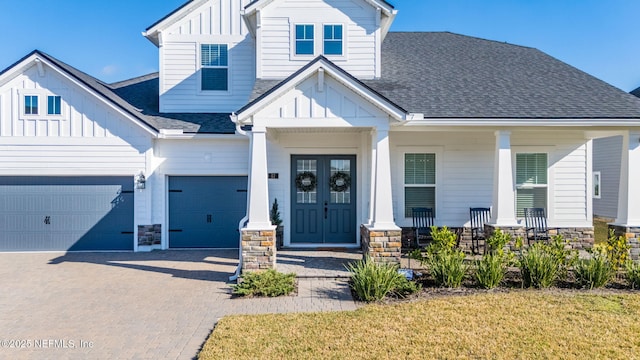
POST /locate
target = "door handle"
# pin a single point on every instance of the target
(326, 210)
(209, 218)
(47, 220)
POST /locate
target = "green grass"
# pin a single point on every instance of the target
(601, 231)
(517, 325)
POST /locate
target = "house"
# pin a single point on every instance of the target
(318, 105)
(606, 174)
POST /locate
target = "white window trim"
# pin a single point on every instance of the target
(598, 194)
(549, 150)
(401, 220)
(292, 42)
(43, 105)
(23, 104)
(344, 42)
(199, 68)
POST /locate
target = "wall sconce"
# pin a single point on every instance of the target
(140, 181)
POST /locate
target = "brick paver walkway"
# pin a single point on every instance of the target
(158, 305)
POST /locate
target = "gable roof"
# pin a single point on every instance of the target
(446, 75)
(152, 31)
(636, 92)
(138, 98)
(264, 89)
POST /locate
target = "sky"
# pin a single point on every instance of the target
(103, 38)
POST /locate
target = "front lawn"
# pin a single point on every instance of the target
(517, 324)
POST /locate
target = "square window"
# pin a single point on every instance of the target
(31, 105)
(53, 105)
(214, 62)
(333, 39)
(304, 40)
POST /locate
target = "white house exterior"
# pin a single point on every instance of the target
(313, 103)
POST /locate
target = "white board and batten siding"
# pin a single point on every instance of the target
(215, 22)
(361, 47)
(89, 137)
(606, 159)
(465, 170)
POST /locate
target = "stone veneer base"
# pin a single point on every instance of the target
(258, 250)
(632, 234)
(149, 235)
(383, 246)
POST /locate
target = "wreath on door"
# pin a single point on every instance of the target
(306, 181)
(340, 181)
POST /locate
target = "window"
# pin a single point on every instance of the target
(531, 181)
(53, 105)
(214, 59)
(596, 185)
(304, 39)
(419, 182)
(333, 39)
(30, 105)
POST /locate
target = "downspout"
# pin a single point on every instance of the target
(244, 220)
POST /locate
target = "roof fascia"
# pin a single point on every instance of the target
(31, 59)
(151, 33)
(525, 122)
(329, 69)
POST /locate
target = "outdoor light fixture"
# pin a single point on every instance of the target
(140, 180)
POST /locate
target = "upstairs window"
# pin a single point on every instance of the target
(53, 105)
(31, 105)
(531, 181)
(304, 40)
(333, 39)
(214, 61)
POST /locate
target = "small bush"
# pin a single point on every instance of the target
(372, 282)
(447, 267)
(617, 250)
(491, 270)
(406, 288)
(498, 240)
(540, 268)
(633, 273)
(595, 272)
(267, 283)
(443, 238)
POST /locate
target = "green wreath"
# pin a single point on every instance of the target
(340, 181)
(306, 181)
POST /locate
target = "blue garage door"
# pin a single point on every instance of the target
(66, 213)
(204, 211)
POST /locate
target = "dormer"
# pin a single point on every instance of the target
(290, 33)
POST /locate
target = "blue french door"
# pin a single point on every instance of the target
(323, 199)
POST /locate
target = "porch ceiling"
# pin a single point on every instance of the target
(319, 130)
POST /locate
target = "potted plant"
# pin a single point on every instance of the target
(274, 215)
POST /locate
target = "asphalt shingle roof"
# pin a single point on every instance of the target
(445, 75)
(636, 92)
(139, 97)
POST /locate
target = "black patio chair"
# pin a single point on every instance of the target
(536, 223)
(479, 217)
(422, 222)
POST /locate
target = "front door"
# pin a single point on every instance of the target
(323, 199)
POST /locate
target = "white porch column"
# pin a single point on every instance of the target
(382, 199)
(258, 201)
(629, 194)
(503, 213)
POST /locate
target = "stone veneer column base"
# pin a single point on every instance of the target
(383, 246)
(578, 238)
(258, 250)
(632, 234)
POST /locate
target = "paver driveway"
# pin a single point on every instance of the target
(158, 305)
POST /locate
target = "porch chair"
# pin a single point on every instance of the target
(479, 217)
(422, 223)
(536, 223)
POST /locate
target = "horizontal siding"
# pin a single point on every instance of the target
(358, 17)
(606, 159)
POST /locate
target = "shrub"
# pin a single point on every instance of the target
(371, 281)
(267, 283)
(491, 270)
(595, 272)
(633, 273)
(565, 256)
(447, 267)
(497, 241)
(443, 238)
(617, 250)
(406, 287)
(539, 267)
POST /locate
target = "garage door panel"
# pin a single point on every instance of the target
(66, 213)
(204, 211)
